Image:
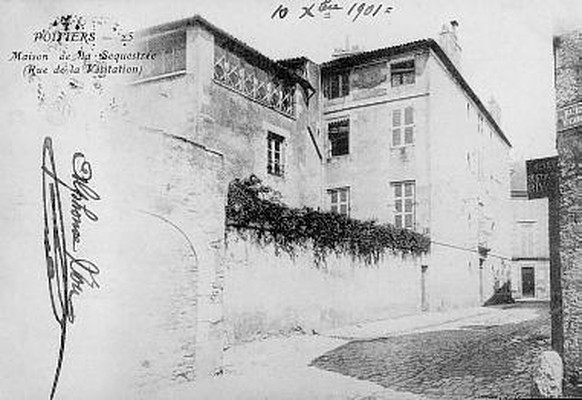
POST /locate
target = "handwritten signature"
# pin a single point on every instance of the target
(66, 273)
(81, 191)
(326, 7)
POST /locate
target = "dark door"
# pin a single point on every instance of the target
(528, 282)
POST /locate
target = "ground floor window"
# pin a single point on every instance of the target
(340, 200)
(404, 204)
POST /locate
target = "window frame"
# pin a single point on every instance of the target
(340, 81)
(402, 127)
(527, 238)
(344, 136)
(400, 71)
(339, 202)
(171, 54)
(275, 157)
(400, 215)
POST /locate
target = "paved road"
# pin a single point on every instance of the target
(472, 362)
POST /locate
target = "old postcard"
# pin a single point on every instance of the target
(287, 199)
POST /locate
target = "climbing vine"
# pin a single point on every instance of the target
(255, 209)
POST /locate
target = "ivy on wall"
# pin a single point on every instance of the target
(256, 210)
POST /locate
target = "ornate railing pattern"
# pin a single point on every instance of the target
(251, 81)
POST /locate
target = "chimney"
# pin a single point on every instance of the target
(494, 110)
(448, 40)
(347, 50)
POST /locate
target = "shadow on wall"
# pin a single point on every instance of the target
(502, 295)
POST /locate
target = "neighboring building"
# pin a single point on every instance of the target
(531, 249)
(214, 90)
(410, 143)
(208, 97)
(567, 317)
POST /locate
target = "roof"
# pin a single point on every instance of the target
(281, 68)
(295, 61)
(296, 64)
(232, 43)
(424, 44)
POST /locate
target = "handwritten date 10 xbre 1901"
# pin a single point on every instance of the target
(325, 8)
(67, 274)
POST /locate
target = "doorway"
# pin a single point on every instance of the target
(528, 282)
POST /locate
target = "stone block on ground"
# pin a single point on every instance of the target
(548, 375)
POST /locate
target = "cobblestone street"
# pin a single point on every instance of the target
(475, 361)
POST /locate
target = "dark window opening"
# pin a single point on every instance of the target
(339, 137)
(337, 85)
(275, 154)
(402, 73)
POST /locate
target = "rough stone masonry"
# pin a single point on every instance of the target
(568, 74)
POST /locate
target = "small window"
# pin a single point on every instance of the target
(403, 128)
(170, 52)
(339, 137)
(404, 204)
(340, 200)
(337, 85)
(275, 164)
(402, 73)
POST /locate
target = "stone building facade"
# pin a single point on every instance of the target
(213, 97)
(568, 81)
(410, 143)
(395, 135)
(213, 89)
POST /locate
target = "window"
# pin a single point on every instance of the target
(404, 200)
(339, 137)
(526, 238)
(402, 73)
(340, 200)
(170, 53)
(403, 128)
(275, 164)
(337, 85)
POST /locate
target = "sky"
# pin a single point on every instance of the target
(507, 44)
